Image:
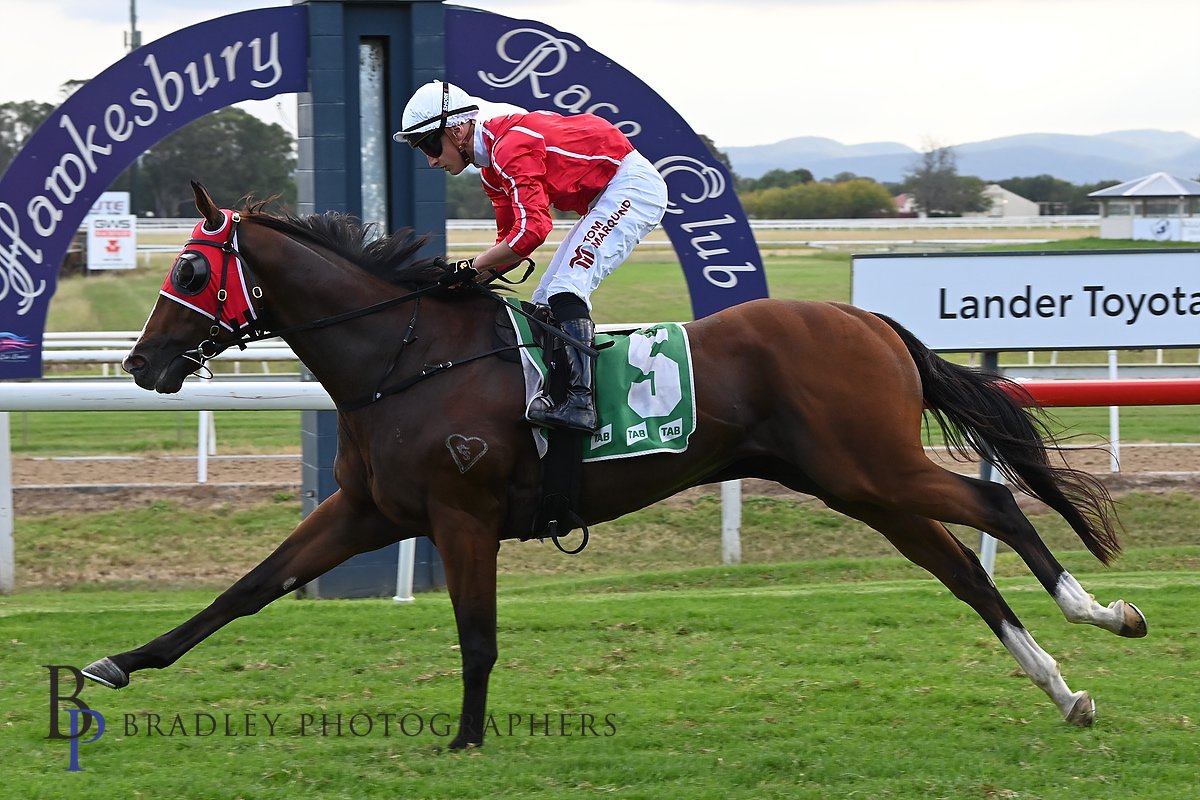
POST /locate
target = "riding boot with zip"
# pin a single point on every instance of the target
(578, 410)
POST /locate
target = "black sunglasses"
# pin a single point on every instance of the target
(430, 142)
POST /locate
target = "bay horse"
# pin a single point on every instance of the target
(822, 397)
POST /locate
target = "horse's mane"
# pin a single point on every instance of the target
(391, 257)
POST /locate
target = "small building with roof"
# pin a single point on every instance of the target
(1158, 207)
(1003, 203)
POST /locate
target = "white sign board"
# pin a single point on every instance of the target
(110, 204)
(112, 242)
(1037, 301)
(1167, 229)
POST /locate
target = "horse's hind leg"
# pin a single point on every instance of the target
(336, 530)
(991, 507)
(928, 544)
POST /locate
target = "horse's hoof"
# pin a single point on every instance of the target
(106, 672)
(1133, 625)
(1083, 712)
(461, 743)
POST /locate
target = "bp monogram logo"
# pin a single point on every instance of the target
(81, 716)
(465, 450)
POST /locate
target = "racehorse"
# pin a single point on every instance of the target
(822, 397)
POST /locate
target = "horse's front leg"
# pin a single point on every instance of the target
(468, 549)
(336, 530)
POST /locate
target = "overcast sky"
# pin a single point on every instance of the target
(747, 72)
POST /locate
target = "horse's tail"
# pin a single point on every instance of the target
(985, 412)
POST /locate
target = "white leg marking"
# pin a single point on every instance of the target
(1039, 666)
(1079, 606)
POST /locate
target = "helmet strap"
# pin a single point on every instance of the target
(466, 148)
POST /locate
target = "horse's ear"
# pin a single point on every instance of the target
(207, 208)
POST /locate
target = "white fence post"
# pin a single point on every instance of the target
(987, 543)
(202, 447)
(731, 522)
(1114, 420)
(7, 568)
(404, 571)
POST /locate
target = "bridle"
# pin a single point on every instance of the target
(230, 303)
(191, 277)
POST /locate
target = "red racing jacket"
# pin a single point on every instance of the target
(543, 159)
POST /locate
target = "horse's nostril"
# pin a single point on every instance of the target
(133, 364)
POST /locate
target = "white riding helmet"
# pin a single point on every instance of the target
(434, 107)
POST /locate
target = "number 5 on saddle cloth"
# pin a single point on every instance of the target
(644, 401)
(644, 398)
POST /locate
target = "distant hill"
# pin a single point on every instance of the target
(1118, 156)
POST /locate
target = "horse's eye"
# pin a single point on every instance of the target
(190, 274)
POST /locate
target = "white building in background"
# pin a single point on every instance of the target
(1005, 204)
(1158, 207)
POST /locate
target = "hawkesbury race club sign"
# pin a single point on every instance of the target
(108, 123)
(103, 127)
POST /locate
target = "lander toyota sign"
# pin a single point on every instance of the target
(1037, 301)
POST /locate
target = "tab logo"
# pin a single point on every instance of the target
(670, 430)
(602, 436)
(637, 433)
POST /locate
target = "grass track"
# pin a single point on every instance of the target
(806, 690)
(844, 677)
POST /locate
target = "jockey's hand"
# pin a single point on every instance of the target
(459, 274)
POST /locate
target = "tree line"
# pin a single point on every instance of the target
(231, 151)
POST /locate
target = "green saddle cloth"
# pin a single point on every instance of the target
(645, 398)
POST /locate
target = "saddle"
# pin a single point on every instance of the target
(644, 401)
(562, 465)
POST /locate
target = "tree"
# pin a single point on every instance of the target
(937, 187)
(863, 197)
(718, 154)
(18, 121)
(465, 198)
(230, 151)
(852, 199)
(775, 179)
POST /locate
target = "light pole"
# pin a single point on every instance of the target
(133, 40)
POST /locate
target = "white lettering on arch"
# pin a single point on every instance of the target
(711, 181)
(539, 56)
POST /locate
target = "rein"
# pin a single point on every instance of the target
(192, 275)
(460, 278)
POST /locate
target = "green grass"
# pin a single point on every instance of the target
(824, 667)
(799, 690)
(152, 541)
(57, 433)
(106, 302)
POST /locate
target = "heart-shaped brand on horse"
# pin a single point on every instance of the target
(465, 450)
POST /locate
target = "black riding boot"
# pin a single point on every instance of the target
(578, 411)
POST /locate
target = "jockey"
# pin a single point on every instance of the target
(529, 161)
